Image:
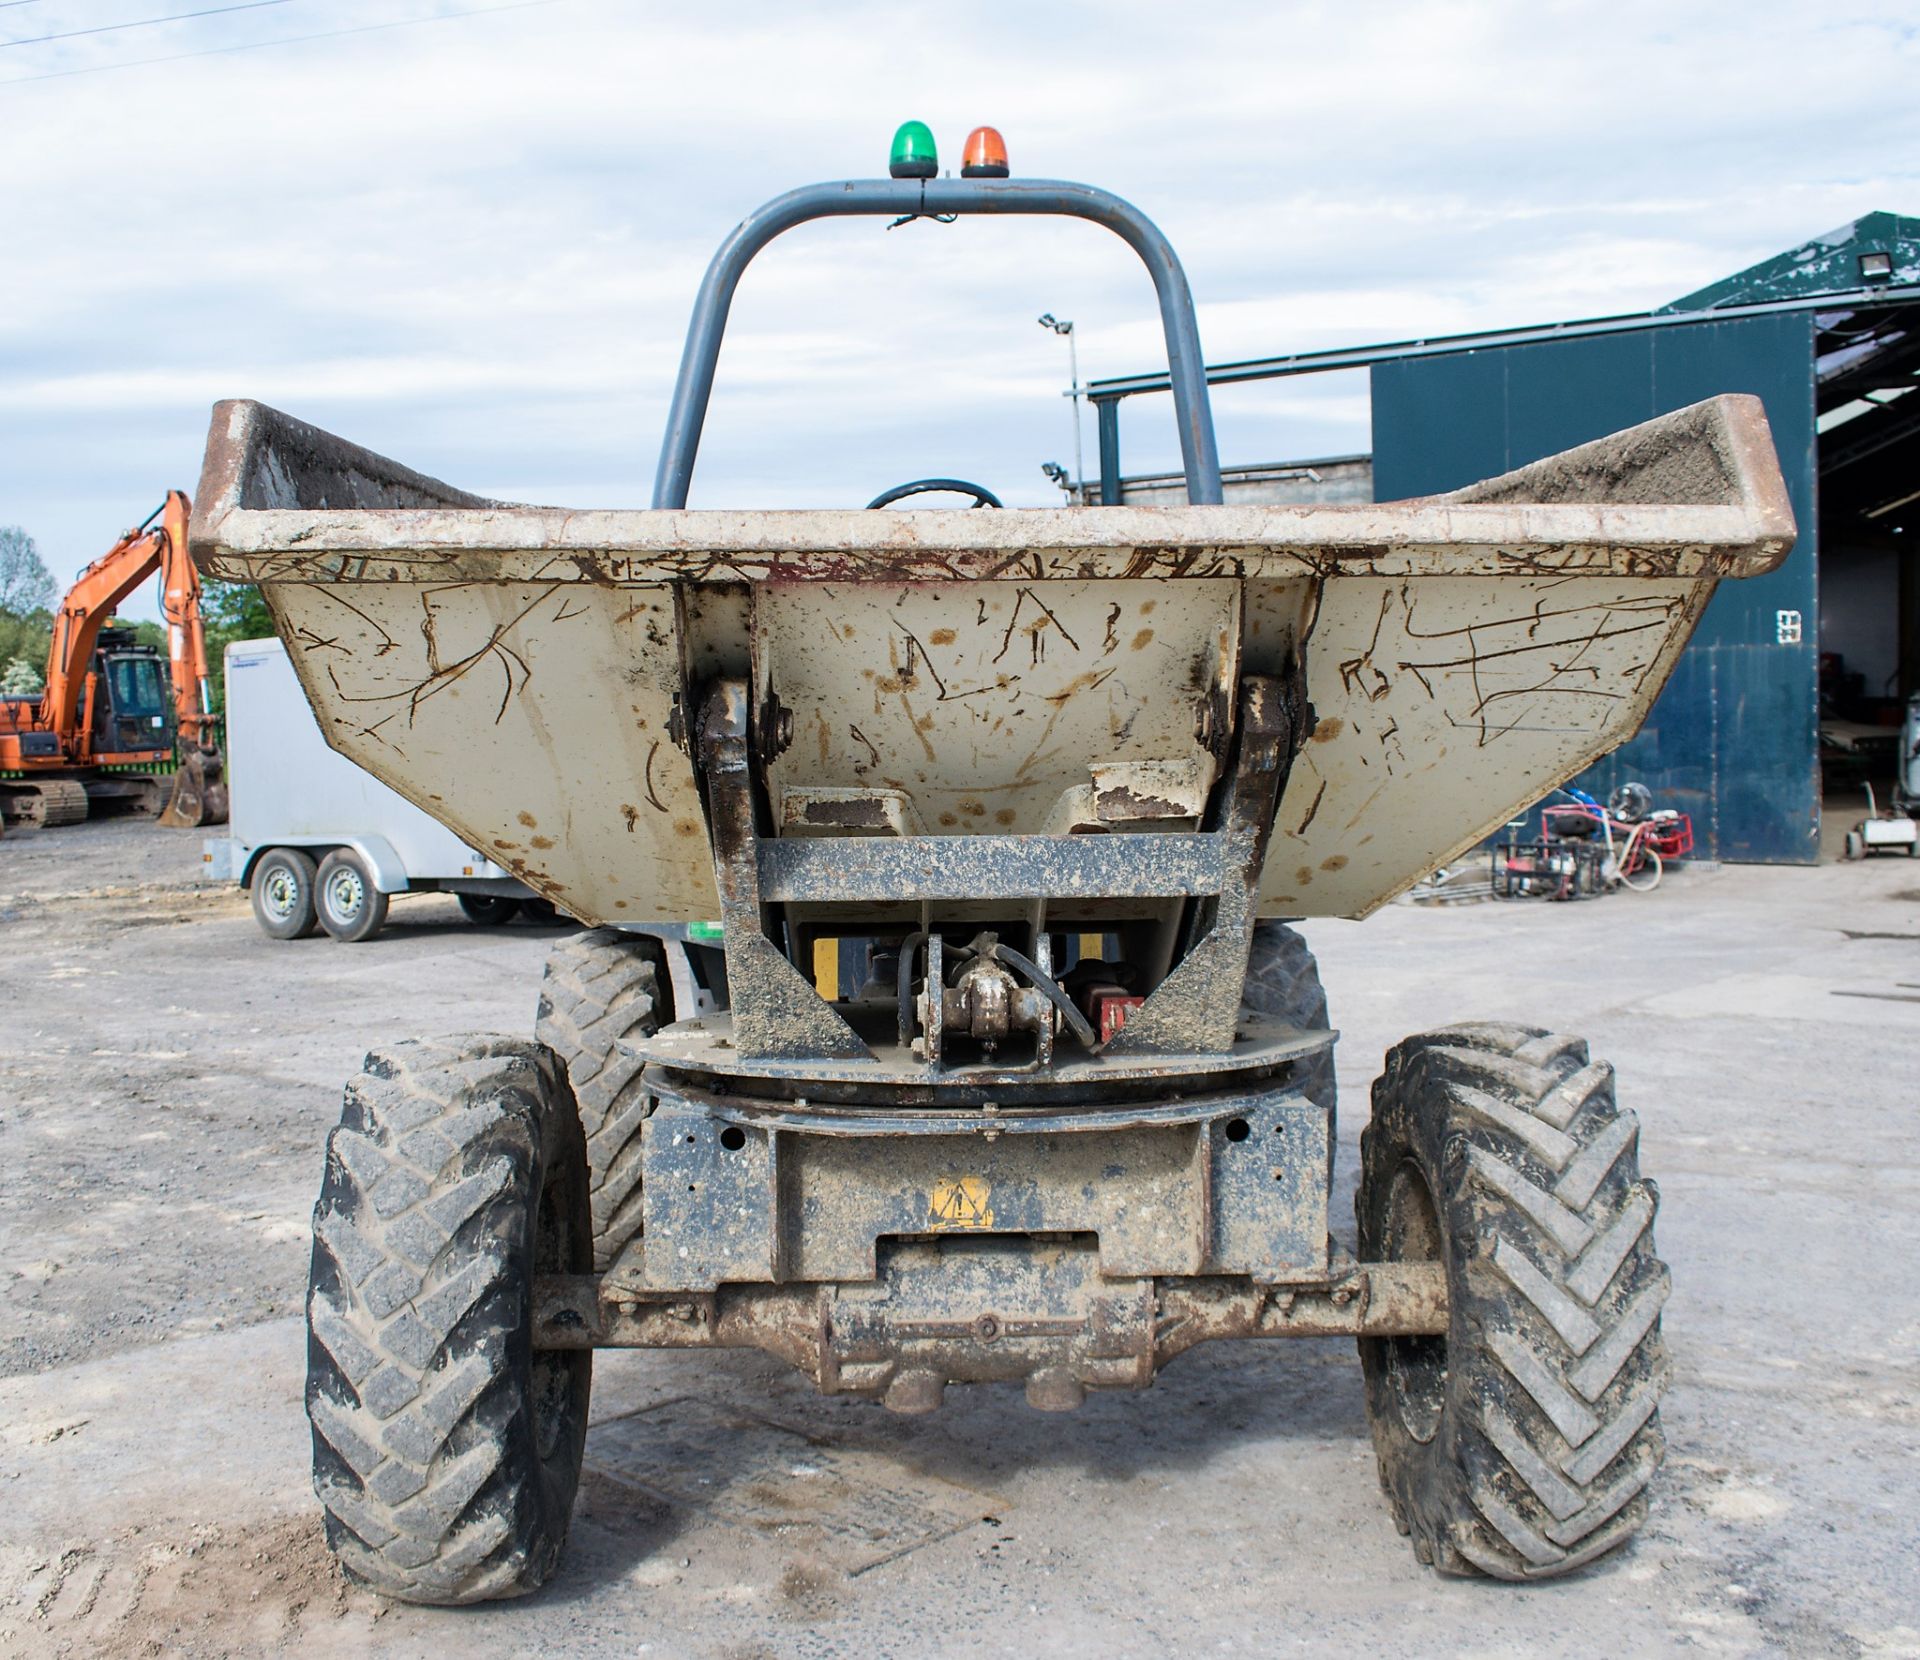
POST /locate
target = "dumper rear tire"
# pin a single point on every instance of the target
(446, 1449)
(1283, 981)
(600, 987)
(1520, 1444)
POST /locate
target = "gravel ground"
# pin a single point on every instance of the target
(167, 1077)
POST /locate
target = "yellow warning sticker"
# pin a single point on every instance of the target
(960, 1202)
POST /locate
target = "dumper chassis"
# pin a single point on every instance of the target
(1052, 779)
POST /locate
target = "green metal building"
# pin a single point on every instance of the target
(1789, 675)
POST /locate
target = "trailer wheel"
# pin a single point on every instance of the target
(599, 987)
(351, 908)
(282, 894)
(1283, 981)
(1519, 1444)
(446, 1449)
(489, 910)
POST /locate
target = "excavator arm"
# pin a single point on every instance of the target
(186, 635)
(98, 592)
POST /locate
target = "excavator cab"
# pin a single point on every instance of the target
(132, 716)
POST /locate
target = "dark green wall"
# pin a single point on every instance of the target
(1734, 738)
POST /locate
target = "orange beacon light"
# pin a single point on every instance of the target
(985, 155)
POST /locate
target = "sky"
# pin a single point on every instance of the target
(467, 235)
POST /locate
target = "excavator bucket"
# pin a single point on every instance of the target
(199, 790)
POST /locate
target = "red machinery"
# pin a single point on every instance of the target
(1588, 849)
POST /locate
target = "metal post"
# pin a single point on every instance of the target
(1073, 362)
(1107, 413)
(1049, 321)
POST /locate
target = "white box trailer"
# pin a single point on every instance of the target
(317, 840)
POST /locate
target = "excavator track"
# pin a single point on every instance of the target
(40, 804)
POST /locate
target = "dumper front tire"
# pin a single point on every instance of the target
(446, 1449)
(599, 987)
(1520, 1444)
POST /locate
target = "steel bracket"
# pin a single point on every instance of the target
(776, 1011)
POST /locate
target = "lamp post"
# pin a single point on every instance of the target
(1047, 320)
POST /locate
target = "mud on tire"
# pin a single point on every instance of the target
(1283, 981)
(1520, 1445)
(446, 1451)
(601, 986)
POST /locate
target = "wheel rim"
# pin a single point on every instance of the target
(1416, 1366)
(281, 894)
(346, 894)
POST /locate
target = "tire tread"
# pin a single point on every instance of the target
(1283, 981)
(601, 986)
(415, 1302)
(1550, 1431)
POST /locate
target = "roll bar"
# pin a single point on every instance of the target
(929, 197)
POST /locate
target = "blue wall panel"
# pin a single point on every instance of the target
(1734, 738)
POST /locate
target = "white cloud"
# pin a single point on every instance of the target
(473, 244)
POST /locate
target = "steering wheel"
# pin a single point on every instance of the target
(982, 496)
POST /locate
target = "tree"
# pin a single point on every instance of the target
(26, 585)
(237, 610)
(29, 637)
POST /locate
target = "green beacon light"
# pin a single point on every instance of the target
(914, 156)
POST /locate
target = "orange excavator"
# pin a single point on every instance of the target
(110, 710)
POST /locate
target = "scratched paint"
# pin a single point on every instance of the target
(998, 727)
(1446, 707)
(533, 720)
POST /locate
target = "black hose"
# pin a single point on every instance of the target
(909, 949)
(1048, 988)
